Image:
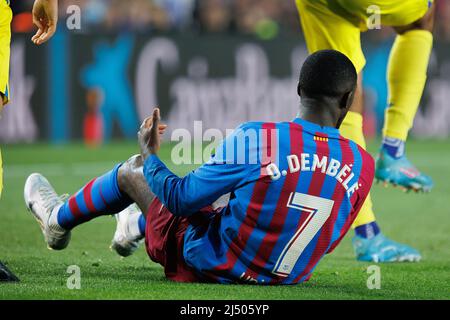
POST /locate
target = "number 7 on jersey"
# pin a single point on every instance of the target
(318, 210)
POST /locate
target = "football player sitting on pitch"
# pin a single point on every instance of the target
(295, 189)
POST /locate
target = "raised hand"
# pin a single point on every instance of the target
(149, 135)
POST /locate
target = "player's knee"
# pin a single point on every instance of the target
(135, 162)
(425, 23)
(128, 171)
(429, 22)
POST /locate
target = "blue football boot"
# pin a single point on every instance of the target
(400, 172)
(382, 249)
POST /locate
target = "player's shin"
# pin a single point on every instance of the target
(406, 78)
(352, 128)
(101, 196)
(364, 219)
(407, 69)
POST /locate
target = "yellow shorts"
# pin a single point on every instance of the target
(5, 42)
(337, 24)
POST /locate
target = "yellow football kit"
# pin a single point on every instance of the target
(337, 24)
(5, 39)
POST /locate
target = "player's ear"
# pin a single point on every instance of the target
(344, 105)
(299, 90)
(347, 100)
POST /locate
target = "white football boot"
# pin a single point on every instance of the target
(43, 202)
(127, 237)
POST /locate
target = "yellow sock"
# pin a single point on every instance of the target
(1, 175)
(352, 128)
(407, 70)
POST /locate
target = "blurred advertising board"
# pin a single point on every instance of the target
(95, 86)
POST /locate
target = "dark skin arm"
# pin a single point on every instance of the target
(130, 177)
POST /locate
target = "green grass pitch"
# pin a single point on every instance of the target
(417, 219)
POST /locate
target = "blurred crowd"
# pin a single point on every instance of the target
(265, 18)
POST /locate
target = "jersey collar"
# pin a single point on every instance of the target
(313, 128)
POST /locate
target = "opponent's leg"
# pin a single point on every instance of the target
(1, 174)
(352, 128)
(407, 69)
(315, 21)
(5, 50)
(369, 243)
(1, 161)
(5, 40)
(325, 29)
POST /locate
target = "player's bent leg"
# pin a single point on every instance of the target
(407, 69)
(163, 232)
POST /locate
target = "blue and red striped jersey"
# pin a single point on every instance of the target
(295, 189)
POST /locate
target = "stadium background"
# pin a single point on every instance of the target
(77, 103)
(222, 62)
